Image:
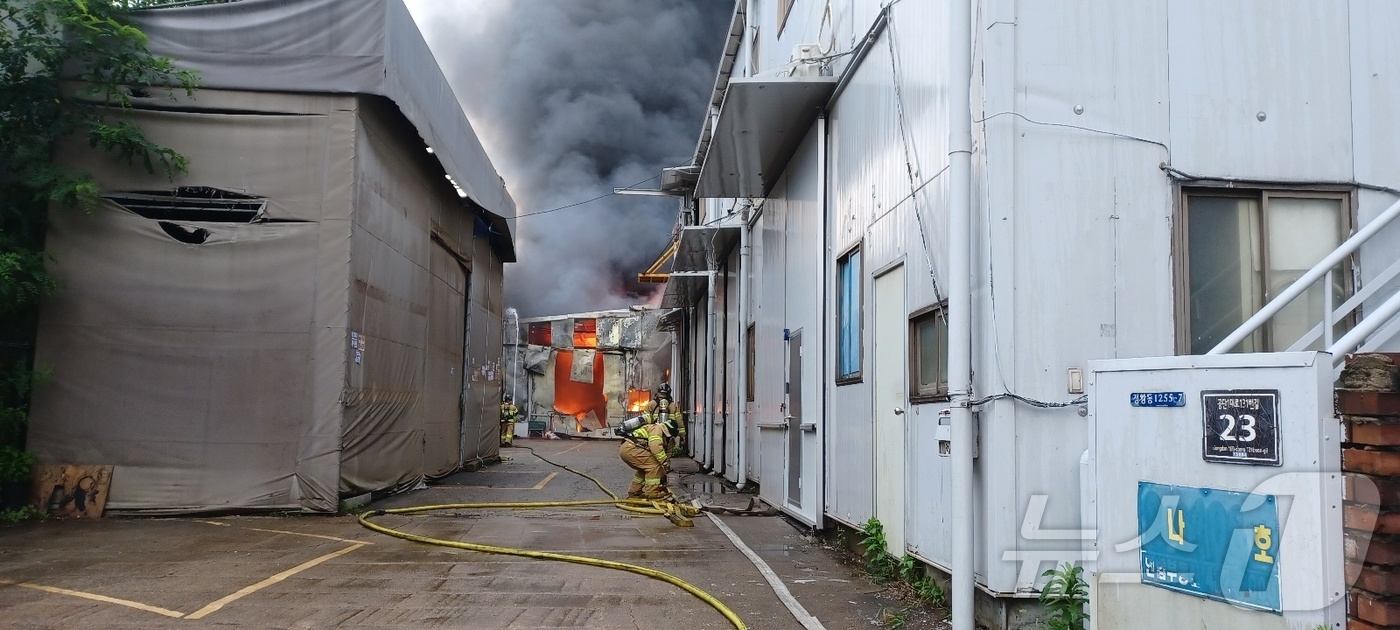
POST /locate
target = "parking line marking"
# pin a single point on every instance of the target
(253, 588)
(215, 523)
(571, 448)
(540, 485)
(100, 598)
(283, 531)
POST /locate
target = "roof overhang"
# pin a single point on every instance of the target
(654, 273)
(690, 270)
(761, 124)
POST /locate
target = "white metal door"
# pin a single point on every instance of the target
(891, 361)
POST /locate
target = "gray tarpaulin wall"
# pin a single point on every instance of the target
(345, 338)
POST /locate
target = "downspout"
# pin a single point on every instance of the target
(825, 313)
(741, 398)
(709, 415)
(960, 307)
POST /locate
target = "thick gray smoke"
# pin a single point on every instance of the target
(573, 98)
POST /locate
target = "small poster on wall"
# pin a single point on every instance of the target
(72, 491)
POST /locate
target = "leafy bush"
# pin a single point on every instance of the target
(23, 513)
(879, 564)
(1064, 597)
(15, 464)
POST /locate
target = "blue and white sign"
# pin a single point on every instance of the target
(1157, 399)
(1217, 544)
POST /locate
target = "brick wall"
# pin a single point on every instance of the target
(1369, 404)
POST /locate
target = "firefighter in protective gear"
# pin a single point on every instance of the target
(664, 409)
(644, 449)
(509, 414)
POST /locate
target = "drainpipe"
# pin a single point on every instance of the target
(960, 306)
(709, 415)
(741, 387)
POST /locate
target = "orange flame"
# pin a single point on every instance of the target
(637, 400)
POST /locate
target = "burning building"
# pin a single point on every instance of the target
(582, 373)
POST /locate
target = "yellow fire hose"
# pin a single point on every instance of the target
(660, 508)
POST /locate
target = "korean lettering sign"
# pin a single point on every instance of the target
(1241, 426)
(1216, 544)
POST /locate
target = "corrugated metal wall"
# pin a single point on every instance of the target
(1075, 106)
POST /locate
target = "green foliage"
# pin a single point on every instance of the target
(925, 588)
(1064, 597)
(16, 383)
(897, 620)
(68, 69)
(879, 564)
(15, 464)
(22, 513)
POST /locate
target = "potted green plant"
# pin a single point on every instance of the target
(16, 468)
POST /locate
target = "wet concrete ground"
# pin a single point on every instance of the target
(328, 571)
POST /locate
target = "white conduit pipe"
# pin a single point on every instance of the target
(742, 385)
(960, 307)
(709, 414)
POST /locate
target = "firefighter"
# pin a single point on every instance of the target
(665, 409)
(509, 414)
(644, 450)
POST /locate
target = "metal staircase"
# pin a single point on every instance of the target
(1369, 329)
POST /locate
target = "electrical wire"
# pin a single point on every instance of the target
(1176, 173)
(911, 166)
(1031, 401)
(644, 506)
(1080, 128)
(585, 201)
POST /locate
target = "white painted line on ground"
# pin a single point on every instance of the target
(781, 590)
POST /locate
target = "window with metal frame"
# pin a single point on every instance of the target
(928, 354)
(1243, 247)
(849, 315)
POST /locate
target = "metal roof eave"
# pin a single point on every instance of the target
(688, 281)
(761, 124)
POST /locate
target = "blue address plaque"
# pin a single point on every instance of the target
(1216, 544)
(1157, 399)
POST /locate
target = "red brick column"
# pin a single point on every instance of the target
(1369, 404)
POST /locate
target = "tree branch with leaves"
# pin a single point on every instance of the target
(68, 68)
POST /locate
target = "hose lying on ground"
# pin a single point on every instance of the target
(633, 505)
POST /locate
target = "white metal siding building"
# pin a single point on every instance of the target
(1099, 128)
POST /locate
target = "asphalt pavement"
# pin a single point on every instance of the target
(328, 571)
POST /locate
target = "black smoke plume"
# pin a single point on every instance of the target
(573, 98)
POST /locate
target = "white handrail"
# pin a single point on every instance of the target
(1373, 285)
(1297, 288)
(1373, 322)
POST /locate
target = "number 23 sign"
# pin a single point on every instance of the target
(1241, 426)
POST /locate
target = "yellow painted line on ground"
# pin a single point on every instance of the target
(99, 598)
(283, 531)
(215, 605)
(540, 485)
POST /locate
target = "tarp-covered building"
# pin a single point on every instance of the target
(314, 309)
